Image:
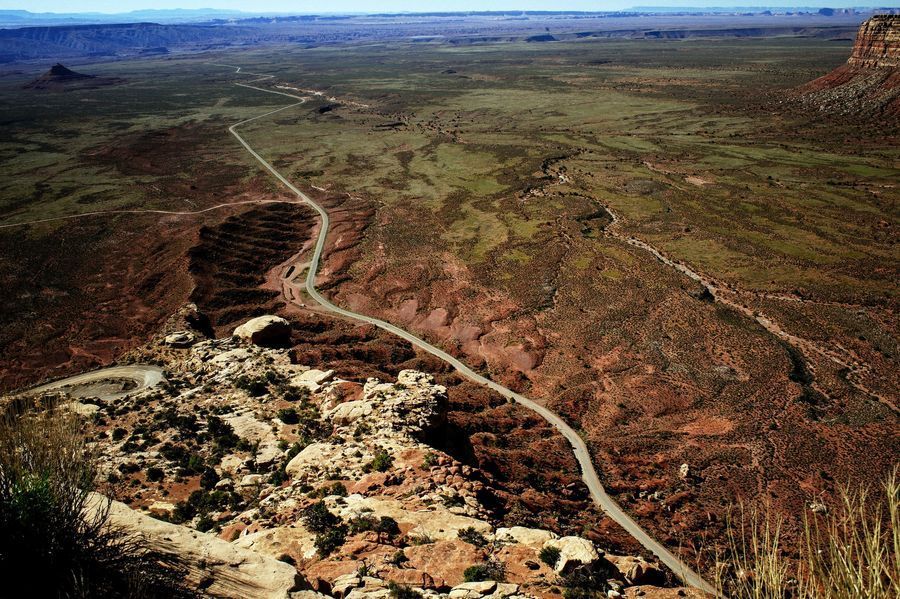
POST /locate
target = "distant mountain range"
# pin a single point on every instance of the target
(24, 18)
(27, 37)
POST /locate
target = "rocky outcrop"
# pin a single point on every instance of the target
(877, 44)
(223, 569)
(60, 77)
(276, 476)
(267, 331)
(869, 83)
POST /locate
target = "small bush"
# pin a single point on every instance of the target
(472, 537)
(328, 541)
(387, 527)
(362, 524)
(318, 519)
(205, 523)
(485, 571)
(288, 416)
(550, 555)
(155, 474)
(420, 540)
(291, 393)
(382, 462)
(254, 386)
(222, 433)
(208, 478)
(429, 460)
(118, 434)
(402, 591)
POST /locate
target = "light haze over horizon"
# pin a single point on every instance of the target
(364, 6)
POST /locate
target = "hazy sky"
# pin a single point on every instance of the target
(307, 6)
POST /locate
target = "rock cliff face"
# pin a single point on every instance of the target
(869, 84)
(277, 479)
(877, 43)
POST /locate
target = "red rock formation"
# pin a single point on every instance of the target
(877, 43)
(870, 81)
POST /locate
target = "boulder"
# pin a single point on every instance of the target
(651, 592)
(573, 551)
(530, 537)
(473, 590)
(438, 524)
(445, 561)
(342, 585)
(268, 453)
(267, 331)
(297, 542)
(312, 454)
(252, 480)
(308, 595)
(643, 573)
(636, 570)
(347, 412)
(180, 339)
(505, 589)
(412, 577)
(225, 569)
(312, 379)
(369, 593)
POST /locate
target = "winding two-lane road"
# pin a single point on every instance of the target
(589, 474)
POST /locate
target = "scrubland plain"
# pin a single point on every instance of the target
(511, 203)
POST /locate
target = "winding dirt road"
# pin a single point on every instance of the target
(142, 376)
(579, 448)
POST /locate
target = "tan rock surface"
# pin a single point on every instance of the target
(234, 571)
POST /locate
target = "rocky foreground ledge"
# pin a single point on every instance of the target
(275, 479)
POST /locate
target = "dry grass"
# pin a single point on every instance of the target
(52, 539)
(850, 552)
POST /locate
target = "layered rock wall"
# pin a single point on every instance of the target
(877, 43)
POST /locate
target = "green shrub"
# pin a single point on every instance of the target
(550, 555)
(387, 527)
(55, 535)
(429, 460)
(402, 591)
(485, 571)
(288, 416)
(155, 474)
(205, 523)
(208, 478)
(222, 433)
(382, 462)
(362, 524)
(329, 540)
(201, 502)
(292, 393)
(254, 386)
(318, 519)
(472, 537)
